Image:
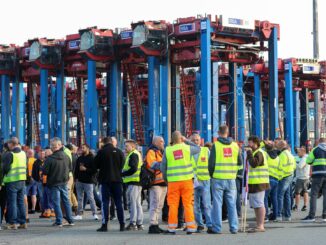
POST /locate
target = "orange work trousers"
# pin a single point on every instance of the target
(185, 190)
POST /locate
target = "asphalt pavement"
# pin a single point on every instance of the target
(40, 231)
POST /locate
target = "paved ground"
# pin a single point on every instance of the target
(41, 232)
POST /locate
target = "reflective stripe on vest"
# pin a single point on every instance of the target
(226, 161)
(18, 168)
(259, 175)
(287, 163)
(273, 167)
(179, 164)
(126, 167)
(319, 166)
(201, 167)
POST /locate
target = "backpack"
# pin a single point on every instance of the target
(146, 176)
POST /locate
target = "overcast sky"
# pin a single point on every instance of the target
(21, 20)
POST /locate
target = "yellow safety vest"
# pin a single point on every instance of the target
(226, 161)
(179, 165)
(287, 163)
(126, 167)
(18, 168)
(274, 167)
(201, 167)
(259, 175)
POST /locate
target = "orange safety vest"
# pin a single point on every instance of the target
(153, 156)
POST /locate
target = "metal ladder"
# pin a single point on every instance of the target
(135, 102)
(36, 126)
(188, 98)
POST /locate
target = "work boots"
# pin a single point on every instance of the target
(103, 228)
(154, 229)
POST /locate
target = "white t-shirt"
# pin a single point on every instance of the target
(303, 169)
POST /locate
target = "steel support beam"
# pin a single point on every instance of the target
(296, 116)
(304, 119)
(266, 114)
(215, 102)
(53, 117)
(256, 107)
(288, 102)
(205, 79)
(113, 79)
(232, 103)
(317, 110)
(44, 109)
(61, 130)
(153, 99)
(273, 85)
(5, 107)
(92, 101)
(14, 108)
(198, 102)
(165, 99)
(240, 106)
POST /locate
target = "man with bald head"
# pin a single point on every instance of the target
(202, 186)
(158, 190)
(14, 171)
(178, 171)
(287, 166)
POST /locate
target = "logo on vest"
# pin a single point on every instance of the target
(178, 154)
(227, 152)
(203, 159)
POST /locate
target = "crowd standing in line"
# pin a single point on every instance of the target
(194, 185)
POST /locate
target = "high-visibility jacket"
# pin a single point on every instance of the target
(259, 175)
(226, 161)
(153, 156)
(18, 168)
(126, 167)
(287, 163)
(68, 153)
(274, 167)
(179, 165)
(201, 166)
(317, 158)
(30, 164)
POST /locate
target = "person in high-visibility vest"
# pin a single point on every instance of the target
(273, 163)
(202, 185)
(178, 172)
(317, 160)
(31, 185)
(224, 162)
(14, 167)
(287, 167)
(258, 181)
(131, 177)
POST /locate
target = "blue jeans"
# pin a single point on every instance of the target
(15, 202)
(40, 193)
(228, 189)
(284, 197)
(58, 193)
(203, 196)
(47, 199)
(272, 192)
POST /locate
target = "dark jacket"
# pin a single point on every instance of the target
(212, 156)
(133, 164)
(109, 160)
(57, 167)
(254, 162)
(89, 175)
(37, 169)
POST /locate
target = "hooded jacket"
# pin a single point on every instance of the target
(57, 167)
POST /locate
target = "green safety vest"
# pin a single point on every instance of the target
(201, 167)
(226, 161)
(287, 163)
(18, 168)
(259, 175)
(68, 153)
(179, 164)
(274, 167)
(126, 167)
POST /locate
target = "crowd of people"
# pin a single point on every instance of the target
(191, 184)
